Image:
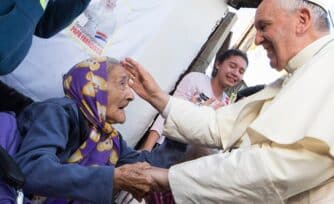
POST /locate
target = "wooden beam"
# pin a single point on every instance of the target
(213, 44)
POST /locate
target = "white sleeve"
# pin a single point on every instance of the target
(201, 125)
(184, 90)
(265, 174)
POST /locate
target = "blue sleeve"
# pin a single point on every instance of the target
(59, 14)
(129, 155)
(7, 194)
(18, 20)
(45, 128)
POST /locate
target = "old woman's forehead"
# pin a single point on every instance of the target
(118, 71)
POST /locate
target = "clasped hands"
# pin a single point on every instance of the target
(140, 179)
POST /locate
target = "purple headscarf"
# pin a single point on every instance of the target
(86, 84)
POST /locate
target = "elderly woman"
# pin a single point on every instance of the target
(70, 151)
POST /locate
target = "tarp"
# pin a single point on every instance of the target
(163, 35)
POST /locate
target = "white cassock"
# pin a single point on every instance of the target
(282, 139)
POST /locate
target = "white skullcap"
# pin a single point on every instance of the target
(324, 4)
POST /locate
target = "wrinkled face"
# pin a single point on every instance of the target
(119, 94)
(231, 71)
(275, 32)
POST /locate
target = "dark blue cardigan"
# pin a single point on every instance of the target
(52, 131)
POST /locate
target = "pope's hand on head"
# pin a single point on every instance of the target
(142, 82)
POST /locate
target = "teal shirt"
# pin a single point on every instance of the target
(21, 19)
(18, 19)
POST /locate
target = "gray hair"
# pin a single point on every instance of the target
(111, 62)
(320, 16)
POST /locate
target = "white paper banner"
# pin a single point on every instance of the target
(163, 35)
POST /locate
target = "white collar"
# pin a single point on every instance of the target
(307, 53)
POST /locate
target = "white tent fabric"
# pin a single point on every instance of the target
(163, 35)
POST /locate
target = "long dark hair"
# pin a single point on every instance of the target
(222, 56)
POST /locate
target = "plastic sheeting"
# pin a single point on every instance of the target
(163, 35)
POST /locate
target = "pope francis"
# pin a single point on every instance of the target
(279, 143)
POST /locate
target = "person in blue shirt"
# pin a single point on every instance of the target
(21, 19)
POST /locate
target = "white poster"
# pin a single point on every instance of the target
(163, 35)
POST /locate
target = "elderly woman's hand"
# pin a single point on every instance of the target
(131, 178)
(144, 85)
